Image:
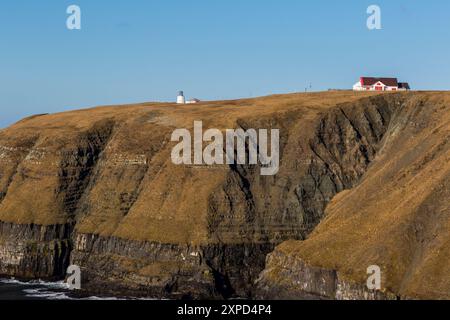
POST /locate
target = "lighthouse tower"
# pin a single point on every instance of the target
(180, 98)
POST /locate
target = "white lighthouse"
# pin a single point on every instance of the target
(180, 98)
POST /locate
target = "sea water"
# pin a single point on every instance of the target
(12, 289)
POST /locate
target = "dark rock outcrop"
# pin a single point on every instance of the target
(33, 251)
(295, 279)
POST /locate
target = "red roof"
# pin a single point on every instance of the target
(368, 81)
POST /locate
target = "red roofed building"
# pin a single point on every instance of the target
(380, 84)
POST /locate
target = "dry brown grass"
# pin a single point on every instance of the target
(173, 200)
(398, 217)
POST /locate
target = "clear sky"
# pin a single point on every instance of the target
(136, 50)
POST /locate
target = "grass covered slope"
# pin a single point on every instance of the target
(109, 169)
(98, 187)
(397, 217)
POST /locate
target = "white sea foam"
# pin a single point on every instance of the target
(38, 289)
(53, 285)
(44, 294)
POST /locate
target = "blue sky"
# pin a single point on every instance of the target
(136, 50)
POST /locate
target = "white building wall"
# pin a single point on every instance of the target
(181, 100)
(357, 87)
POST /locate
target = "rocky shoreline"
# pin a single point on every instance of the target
(288, 277)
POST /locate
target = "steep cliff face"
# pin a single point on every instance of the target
(319, 159)
(397, 218)
(34, 251)
(97, 188)
(289, 278)
(114, 265)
